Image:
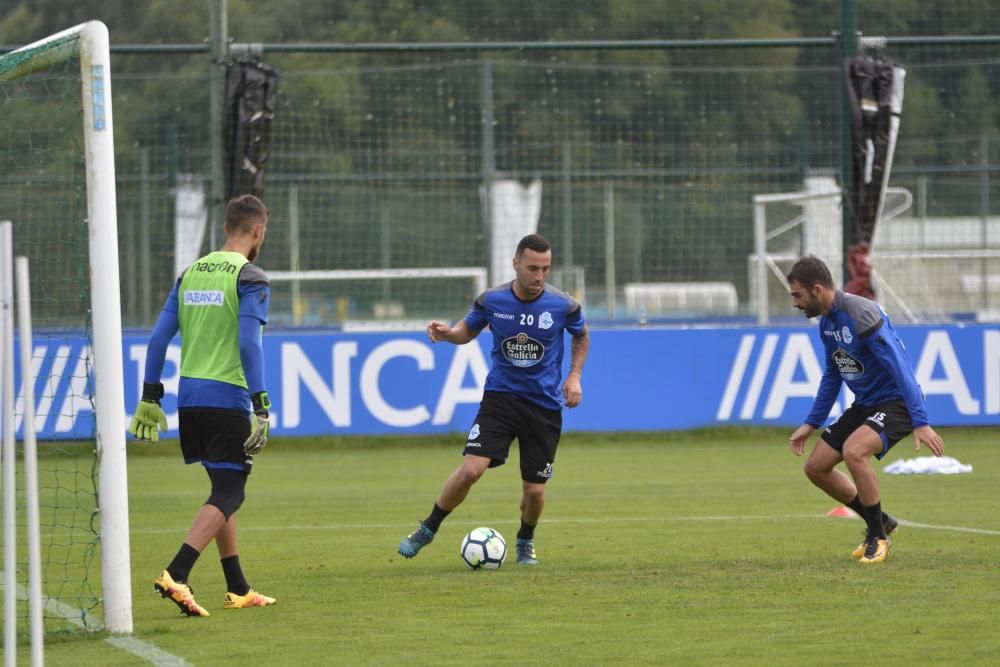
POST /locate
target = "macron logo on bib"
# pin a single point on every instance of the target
(208, 297)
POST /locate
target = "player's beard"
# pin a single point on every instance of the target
(532, 289)
(254, 251)
(813, 308)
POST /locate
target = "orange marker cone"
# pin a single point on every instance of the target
(843, 511)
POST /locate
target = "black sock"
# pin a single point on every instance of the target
(860, 509)
(856, 505)
(873, 515)
(434, 519)
(180, 566)
(235, 581)
(527, 531)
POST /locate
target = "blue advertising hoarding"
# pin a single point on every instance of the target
(333, 382)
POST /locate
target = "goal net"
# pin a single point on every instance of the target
(57, 186)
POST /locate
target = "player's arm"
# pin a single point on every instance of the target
(460, 334)
(254, 293)
(149, 418)
(463, 331)
(826, 395)
(890, 351)
(829, 387)
(579, 347)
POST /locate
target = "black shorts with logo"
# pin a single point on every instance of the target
(890, 420)
(214, 437)
(503, 417)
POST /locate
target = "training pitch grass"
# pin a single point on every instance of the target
(696, 548)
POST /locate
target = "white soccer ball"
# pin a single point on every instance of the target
(484, 549)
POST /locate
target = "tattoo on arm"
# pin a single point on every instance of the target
(578, 352)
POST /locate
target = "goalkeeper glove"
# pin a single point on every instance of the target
(259, 424)
(148, 414)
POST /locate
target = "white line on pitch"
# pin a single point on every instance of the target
(128, 643)
(146, 651)
(960, 529)
(661, 519)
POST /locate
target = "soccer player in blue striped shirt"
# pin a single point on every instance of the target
(861, 349)
(524, 393)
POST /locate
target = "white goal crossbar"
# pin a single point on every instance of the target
(478, 275)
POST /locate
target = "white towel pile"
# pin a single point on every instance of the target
(927, 465)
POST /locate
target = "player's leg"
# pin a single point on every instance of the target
(532, 504)
(821, 471)
(487, 446)
(229, 467)
(454, 491)
(884, 426)
(173, 581)
(239, 595)
(460, 482)
(858, 450)
(538, 439)
(863, 444)
(828, 452)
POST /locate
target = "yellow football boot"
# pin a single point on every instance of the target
(876, 551)
(251, 599)
(890, 525)
(179, 594)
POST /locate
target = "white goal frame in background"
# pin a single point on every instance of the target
(763, 262)
(478, 275)
(89, 41)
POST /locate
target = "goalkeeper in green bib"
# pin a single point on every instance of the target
(219, 305)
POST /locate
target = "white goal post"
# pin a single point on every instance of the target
(89, 41)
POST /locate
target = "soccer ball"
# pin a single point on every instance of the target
(484, 549)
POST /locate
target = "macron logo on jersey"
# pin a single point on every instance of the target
(208, 297)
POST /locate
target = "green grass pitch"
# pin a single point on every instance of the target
(698, 548)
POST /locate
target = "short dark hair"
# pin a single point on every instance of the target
(243, 212)
(534, 242)
(809, 271)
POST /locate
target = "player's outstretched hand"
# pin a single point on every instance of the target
(148, 421)
(927, 435)
(438, 331)
(797, 442)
